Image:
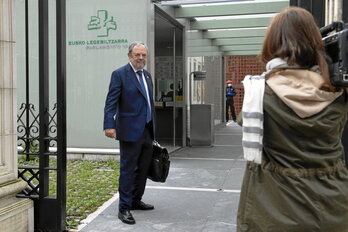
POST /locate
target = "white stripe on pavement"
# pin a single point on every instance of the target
(221, 145)
(212, 159)
(193, 189)
(228, 134)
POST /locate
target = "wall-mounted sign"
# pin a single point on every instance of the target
(199, 75)
(102, 25)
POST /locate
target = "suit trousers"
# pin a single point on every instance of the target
(135, 160)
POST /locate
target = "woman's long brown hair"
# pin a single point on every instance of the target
(294, 35)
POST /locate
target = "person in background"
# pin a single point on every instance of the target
(170, 93)
(230, 93)
(300, 182)
(129, 118)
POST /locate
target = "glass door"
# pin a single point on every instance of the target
(168, 81)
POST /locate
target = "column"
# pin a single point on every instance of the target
(15, 214)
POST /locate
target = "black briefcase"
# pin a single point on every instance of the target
(160, 163)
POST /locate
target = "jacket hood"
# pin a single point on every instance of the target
(302, 91)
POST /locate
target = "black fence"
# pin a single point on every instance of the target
(41, 131)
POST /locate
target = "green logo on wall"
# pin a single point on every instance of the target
(103, 23)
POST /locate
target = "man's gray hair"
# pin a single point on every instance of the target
(134, 44)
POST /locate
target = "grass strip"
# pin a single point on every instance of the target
(89, 185)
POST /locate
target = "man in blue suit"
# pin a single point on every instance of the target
(128, 117)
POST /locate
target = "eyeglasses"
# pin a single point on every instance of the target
(138, 55)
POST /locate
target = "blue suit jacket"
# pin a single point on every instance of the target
(125, 105)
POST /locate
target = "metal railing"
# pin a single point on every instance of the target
(40, 130)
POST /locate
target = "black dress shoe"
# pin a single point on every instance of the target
(126, 217)
(142, 206)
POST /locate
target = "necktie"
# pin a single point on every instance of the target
(141, 81)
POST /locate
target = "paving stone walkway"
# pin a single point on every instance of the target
(200, 194)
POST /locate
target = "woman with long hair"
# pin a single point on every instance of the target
(299, 182)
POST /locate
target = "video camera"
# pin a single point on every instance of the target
(336, 47)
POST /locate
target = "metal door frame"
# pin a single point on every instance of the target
(176, 26)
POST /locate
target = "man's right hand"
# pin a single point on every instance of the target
(111, 133)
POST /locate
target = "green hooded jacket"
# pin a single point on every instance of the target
(302, 183)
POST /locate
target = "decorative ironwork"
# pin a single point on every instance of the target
(38, 142)
(42, 134)
(28, 132)
(30, 174)
(28, 146)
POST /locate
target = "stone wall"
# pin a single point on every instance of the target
(15, 214)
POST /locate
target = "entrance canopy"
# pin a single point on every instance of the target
(226, 27)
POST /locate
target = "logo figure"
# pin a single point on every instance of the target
(103, 23)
